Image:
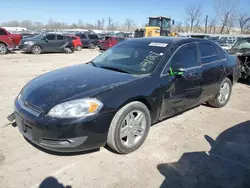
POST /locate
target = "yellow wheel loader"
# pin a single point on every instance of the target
(157, 26)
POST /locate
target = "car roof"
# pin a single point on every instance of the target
(169, 40)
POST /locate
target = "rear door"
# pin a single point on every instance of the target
(50, 44)
(184, 91)
(84, 40)
(61, 40)
(213, 68)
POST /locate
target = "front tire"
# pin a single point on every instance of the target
(3, 49)
(223, 95)
(129, 128)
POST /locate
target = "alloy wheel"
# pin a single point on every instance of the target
(224, 92)
(133, 128)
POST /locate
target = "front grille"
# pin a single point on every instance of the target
(32, 107)
(29, 107)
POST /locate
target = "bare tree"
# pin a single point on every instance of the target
(212, 25)
(27, 24)
(103, 24)
(194, 12)
(243, 21)
(80, 24)
(226, 11)
(99, 25)
(129, 24)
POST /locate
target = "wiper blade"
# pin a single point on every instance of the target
(114, 69)
(91, 62)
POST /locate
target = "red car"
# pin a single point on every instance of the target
(109, 41)
(77, 43)
(8, 41)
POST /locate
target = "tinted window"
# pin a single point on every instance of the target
(221, 53)
(93, 37)
(187, 56)
(60, 37)
(51, 37)
(2, 32)
(207, 49)
(208, 53)
(83, 36)
(120, 39)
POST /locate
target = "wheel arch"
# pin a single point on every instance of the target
(141, 99)
(2, 42)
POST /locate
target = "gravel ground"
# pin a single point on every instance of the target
(23, 165)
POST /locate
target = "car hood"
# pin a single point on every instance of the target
(240, 52)
(77, 81)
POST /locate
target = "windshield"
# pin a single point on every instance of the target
(37, 37)
(242, 43)
(132, 57)
(155, 22)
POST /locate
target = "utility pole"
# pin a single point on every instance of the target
(206, 24)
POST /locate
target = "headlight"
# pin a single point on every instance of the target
(28, 42)
(76, 108)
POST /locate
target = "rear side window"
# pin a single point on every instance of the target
(208, 53)
(222, 54)
(120, 39)
(187, 56)
(2, 32)
(60, 37)
(83, 36)
(51, 37)
(93, 37)
(107, 38)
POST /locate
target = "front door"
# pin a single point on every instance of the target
(181, 92)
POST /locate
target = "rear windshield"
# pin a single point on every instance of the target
(242, 43)
(107, 38)
(133, 57)
(93, 37)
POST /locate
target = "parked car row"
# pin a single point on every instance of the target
(54, 42)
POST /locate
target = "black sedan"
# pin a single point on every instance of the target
(116, 97)
(49, 42)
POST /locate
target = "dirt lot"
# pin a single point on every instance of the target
(22, 165)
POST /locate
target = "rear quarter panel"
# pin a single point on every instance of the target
(233, 67)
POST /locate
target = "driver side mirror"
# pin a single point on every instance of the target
(176, 70)
(46, 40)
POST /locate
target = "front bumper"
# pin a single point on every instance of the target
(62, 135)
(25, 47)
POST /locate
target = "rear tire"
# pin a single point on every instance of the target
(36, 49)
(3, 49)
(223, 95)
(78, 48)
(92, 45)
(129, 128)
(67, 50)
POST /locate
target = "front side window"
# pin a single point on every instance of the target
(51, 37)
(186, 56)
(2, 32)
(131, 57)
